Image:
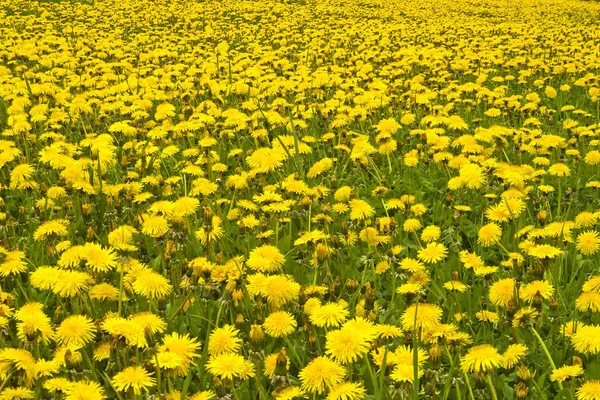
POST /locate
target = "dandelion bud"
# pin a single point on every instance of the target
(577, 361)
(281, 364)
(231, 285)
(167, 190)
(11, 222)
(90, 234)
(542, 215)
(305, 201)
(435, 355)
(538, 268)
(455, 276)
(237, 296)
(553, 304)
(1, 202)
(223, 388)
(256, 335)
(521, 390)
(312, 344)
(322, 250)
(124, 161)
(22, 210)
(351, 284)
(239, 320)
(523, 373)
(86, 209)
(538, 300)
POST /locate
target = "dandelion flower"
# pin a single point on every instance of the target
(266, 258)
(279, 324)
(421, 315)
(16, 393)
(502, 292)
(590, 390)
(360, 209)
(347, 391)
(346, 345)
(587, 339)
(321, 374)
(224, 340)
(151, 285)
(489, 234)
(513, 355)
(535, 288)
(588, 243)
(155, 226)
(566, 372)
(136, 378)
(432, 253)
(481, 359)
(76, 330)
(230, 366)
(329, 315)
(84, 390)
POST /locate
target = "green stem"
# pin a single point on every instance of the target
(468, 382)
(550, 360)
(488, 379)
(293, 350)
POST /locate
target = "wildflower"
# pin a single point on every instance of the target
(489, 234)
(481, 359)
(279, 323)
(135, 378)
(346, 345)
(321, 374)
(431, 234)
(513, 355)
(347, 391)
(329, 315)
(535, 288)
(588, 243)
(224, 340)
(265, 259)
(290, 393)
(151, 285)
(566, 372)
(587, 339)
(84, 390)
(155, 226)
(502, 292)
(76, 330)
(360, 209)
(230, 366)
(590, 390)
(432, 253)
(16, 393)
(421, 315)
(183, 346)
(524, 315)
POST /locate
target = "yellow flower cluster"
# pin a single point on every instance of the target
(288, 199)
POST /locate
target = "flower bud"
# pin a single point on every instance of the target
(256, 335)
(521, 390)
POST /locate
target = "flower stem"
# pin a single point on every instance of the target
(539, 338)
(488, 379)
(469, 386)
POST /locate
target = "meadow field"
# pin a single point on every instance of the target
(311, 199)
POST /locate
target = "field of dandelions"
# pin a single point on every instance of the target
(299, 199)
